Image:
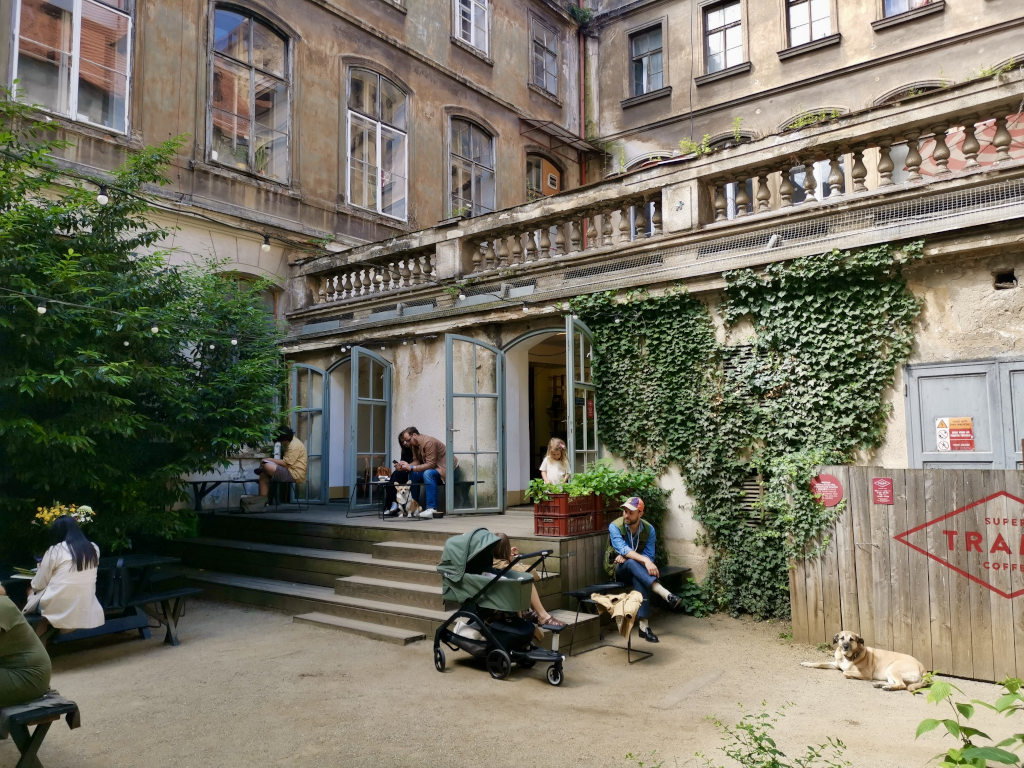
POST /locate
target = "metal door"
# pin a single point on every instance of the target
(1011, 387)
(308, 392)
(370, 425)
(474, 405)
(581, 402)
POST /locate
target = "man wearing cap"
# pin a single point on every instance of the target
(633, 541)
(290, 468)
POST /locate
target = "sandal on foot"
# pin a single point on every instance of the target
(531, 616)
(553, 624)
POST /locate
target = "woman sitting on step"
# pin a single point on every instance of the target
(504, 553)
(24, 663)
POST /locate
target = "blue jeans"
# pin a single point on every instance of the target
(634, 575)
(431, 478)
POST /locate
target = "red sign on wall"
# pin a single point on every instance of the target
(590, 408)
(881, 490)
(828, 489)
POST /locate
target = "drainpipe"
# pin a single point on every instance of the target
(583, 118)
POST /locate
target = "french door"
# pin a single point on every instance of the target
(581, 403)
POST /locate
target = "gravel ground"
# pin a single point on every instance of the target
(248, 687)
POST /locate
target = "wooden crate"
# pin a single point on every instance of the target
(563, 525)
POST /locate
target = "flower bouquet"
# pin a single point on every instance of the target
(46, 515)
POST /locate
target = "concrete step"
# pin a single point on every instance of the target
(298, 598)
(385, 590)
(408, 552)
(366, 629)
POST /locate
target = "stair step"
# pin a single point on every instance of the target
(366, 629)
(407, 551)
(424, 595)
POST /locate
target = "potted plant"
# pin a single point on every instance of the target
(560, 509)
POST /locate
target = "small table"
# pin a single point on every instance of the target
(202, 488)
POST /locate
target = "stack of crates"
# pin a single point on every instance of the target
(564, 515)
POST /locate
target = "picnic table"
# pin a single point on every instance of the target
(203, 487)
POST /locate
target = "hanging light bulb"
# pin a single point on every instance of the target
(41, 309)
(266, 244)
(234, 342)
(383, 347)
(525, 308)
(405, 342)
(102, 198)
(213, 346)
(155, 329)
(126, 343)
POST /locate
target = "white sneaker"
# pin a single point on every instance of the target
(394, 506)
(427, 513)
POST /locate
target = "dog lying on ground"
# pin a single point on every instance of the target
(407, 505)
(892, 671)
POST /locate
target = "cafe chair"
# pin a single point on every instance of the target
(287, 493)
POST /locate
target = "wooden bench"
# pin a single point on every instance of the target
(166, 607)
(17, 719)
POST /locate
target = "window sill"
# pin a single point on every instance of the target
(814, 45)
(739, 69)
(552, 97)
(375, 216)
(935, 6)
(481, 54)
(215, 169)
(632, 101)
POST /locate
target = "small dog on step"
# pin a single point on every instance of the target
(407, 505)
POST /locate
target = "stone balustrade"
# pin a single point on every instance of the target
(373, 279)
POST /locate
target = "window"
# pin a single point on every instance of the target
(249, 95)
(472, 169)
(544, 58)
(74, 56)
(647, 67)
(809, 20)
(894, 7)
(723, 36)
(377, 130)
(471, 22)
(542, 177)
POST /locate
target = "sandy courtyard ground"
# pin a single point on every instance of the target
(250, 688)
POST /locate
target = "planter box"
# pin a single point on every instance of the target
(563, 515)
(604, 517)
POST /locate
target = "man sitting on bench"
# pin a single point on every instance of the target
(427, 465)
(24, 663)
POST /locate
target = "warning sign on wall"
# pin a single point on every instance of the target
(954, 433)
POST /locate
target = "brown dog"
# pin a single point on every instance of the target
(407, 505)
(893, 671)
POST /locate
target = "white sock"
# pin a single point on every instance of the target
(660, 591)
(642, 623)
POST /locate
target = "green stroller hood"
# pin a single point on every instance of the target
(464, 568)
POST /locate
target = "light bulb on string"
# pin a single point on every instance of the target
(405, 342)
(213, 346)
(126, 343)
(102, 198)
(234, 342)
(41, 309)
(155, 330)
(266, 244)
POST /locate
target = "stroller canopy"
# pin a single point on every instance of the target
(465, 574)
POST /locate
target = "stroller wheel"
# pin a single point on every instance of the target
(439, 658)
(499, 664)
(555, 674)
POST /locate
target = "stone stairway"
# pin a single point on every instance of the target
(373, 581)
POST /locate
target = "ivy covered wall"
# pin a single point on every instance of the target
(829, 333)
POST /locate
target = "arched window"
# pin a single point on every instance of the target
(377, 148)
(471, 156)
(543, 178)
(250, 93)
(74, 57)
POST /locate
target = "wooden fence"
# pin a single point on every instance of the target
(924, 561)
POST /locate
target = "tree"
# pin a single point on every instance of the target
(118, 372)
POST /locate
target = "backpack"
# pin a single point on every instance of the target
(610, 553)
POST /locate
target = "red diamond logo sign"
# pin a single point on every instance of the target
(983, 541)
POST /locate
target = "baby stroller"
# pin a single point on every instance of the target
(486, 623)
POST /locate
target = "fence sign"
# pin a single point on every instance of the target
(881, 490)
(828, 489)
(954, 433)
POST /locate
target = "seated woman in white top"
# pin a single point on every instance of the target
(64, 587)
(555, 467)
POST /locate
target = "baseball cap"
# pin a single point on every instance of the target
(634, 503)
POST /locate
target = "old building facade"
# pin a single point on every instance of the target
(430, 206)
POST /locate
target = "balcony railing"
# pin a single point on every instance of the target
(942, 142)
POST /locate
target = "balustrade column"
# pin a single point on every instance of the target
(591, 230)
(624, 225)
(763, 195)
(719, 201)
(530, 247)
(810, 183)
(545, 243)
(606, 227)
(640, 219)
(836, 182)
(786, 188)
(971, 147)
(940, 154)
(859, 172)
(742, 198)
(560, 238)
(517, 249)
(656, 218)
(1001, 140)
(885, 164)
(913, 158)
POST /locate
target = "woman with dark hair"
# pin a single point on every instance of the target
(24, 663)
(64, 587)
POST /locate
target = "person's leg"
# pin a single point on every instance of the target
(432, 478)
(416, 478)
(633, 574)
(538, 607)
(42, 626)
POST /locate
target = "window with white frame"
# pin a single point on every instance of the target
(723, 36)
(377, 147)
(895, 7)
(809, 20)
(472, 169)
(471, 22)
(646, 61)
(74, 58)
(250, 121)
(544, 57)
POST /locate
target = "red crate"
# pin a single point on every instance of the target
(563, 505)
(605, 517)
(563, 525)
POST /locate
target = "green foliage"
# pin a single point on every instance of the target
(580, 15)
(538, 490)
(695, 600)
(645, 761)
(968, 753)
(812, 118)
(96, 405)
(829, 333)
(750, 744)
(700, 149)
(737, 122)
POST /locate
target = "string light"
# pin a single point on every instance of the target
(234, 342)
(266, 244)
(127, 343)
(155, 329)
(102, 198)
(41, 309)
(462, 296)
(213, 346)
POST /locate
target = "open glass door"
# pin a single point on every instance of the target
(581, 405)
(307, 405)
(474, 410)
(370, 424)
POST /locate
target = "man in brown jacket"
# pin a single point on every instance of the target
(427, 465)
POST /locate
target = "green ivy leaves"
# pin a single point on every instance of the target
(829, 332)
